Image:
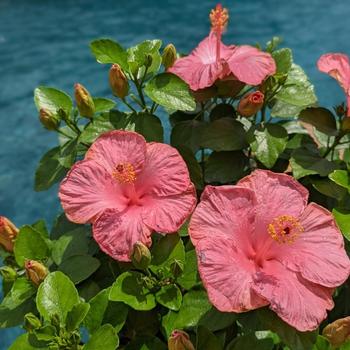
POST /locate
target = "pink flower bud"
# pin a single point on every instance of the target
(8, 232)
(35, 271)
(250, 104)
(180, 340)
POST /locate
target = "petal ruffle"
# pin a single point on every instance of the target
(227, 276)
(168, 214)
(298, 302)
(164, 172)
(117, 232)
(224, 212)
(118, 146)
(318, 253)
(250, 65)
(87, 191)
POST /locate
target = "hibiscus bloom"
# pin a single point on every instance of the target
(337, 65)
(213, 60)
(259, 243)
(128, 188)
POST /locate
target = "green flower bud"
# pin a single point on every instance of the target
(169, 56)
(48, 119)
(180, 340)
(118, 81)
(36, 271)
(84, 101)
(176, 268)
(8, 273)
(31, 322)
(141, 256)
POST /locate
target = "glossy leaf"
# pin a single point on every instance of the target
(169, 296)
(284, 59)
(76, 316)
(22, 343)
(342, 217)
(251, 342)
(190, 276)
(103, 104)
(207, 340)
(341, 178)
(105, 338)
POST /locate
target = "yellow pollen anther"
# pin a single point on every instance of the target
(124, 173)
(285, 229)
(218, 19)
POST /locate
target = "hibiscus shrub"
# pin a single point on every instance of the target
(231, 237)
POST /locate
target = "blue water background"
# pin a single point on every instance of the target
(45, 42)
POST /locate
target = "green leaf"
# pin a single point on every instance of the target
(15, 317)
(137, 56)
(329, 188)
(171, 92)
(222, 110)
(103, 104)
(342, 217)
(190, 276)
(308, 161)
(30, 244)
(52, 100)
(50, 170)
(187, 134)
(225, 134)
(22, 343)
(146, 343)
(164, 252)
(251, 342)
(76, 316)
(284, 59)
(322, 344)
(104, 311)
(194, 305)
(216, 320)
(225, 167)
(321, 118)
(79, 267)
(105, 338)
(130, 288)
(268, 143)
(207, 340)
(296, 94)
(169, 296)
(56, 296)
(108, 51)
(341, 178)
(62, 225)
(73, 242)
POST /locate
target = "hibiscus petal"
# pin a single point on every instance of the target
(277, 194)
(337, 65)
(117, 232)
(298, 302)
(168, 214)
(318, 254)
(227, 212)
(227, 276)
(250, 65)
(164, 173)
(88, 190)
(116, 147)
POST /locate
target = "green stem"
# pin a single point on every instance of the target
(135, 99)
(334, 145)
(64, 134)
(128, 105)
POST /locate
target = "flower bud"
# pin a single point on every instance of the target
(169, 56)
(176, 268)
(250, 104)
(8, 273)
(31, 322)
(118, 81)
(84, 101)
(141, 256)
(180, 340)
(8, 233)
(48, 119)
(338, 332)
(36, 271)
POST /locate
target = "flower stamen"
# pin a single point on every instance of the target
(124, 173)
(285, 229)
(218, 19)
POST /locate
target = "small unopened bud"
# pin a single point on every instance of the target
(36, 271)
(169, 56)
(180, 340)
(8, 273)
(250, 104)
(8, 233)
(141, 256)
(31, 322)
(84, 101)
(338, 332)
(48, 119)
(118, 81)
(176, 268)
(148, 61)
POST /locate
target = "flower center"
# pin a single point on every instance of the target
(124, 173)
(285, 229)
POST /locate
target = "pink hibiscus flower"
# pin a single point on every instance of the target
(259, 243)
(213, 60)
(128, 188)
(337, 65)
